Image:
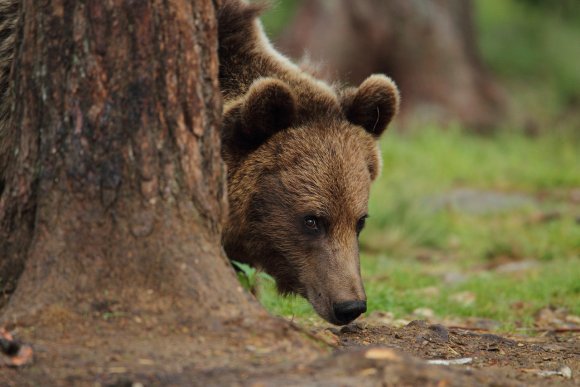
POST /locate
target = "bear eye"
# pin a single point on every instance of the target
(311, 224)
(361, 224)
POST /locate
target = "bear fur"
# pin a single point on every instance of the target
(301, 156)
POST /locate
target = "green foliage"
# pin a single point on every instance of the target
(278, 15)
(562, 8)
(250, 277)
(287, 306)
(534, 46)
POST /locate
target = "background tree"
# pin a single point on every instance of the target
(427, 47)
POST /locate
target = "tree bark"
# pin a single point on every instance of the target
(117, 190)
(428, 47)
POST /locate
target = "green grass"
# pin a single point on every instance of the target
(420, 167)
(402, 290)
(411, 244)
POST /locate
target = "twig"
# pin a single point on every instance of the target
(468, 328)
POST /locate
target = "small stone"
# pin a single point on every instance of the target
(351, 328)
(465, 360)
(440, 331)
(566, 372)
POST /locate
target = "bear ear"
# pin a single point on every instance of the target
(267, 107)
(373, 105)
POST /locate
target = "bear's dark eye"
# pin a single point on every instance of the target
(311, 224)
(361, 224)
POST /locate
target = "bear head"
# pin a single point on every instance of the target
(298, 188)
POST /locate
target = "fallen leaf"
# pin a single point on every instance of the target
(381, 354)
(368, 372)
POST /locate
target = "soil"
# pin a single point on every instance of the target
(137, 351)
(508, 358)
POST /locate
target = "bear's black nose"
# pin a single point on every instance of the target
(347, 311)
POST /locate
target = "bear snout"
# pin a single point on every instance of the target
(347, 311)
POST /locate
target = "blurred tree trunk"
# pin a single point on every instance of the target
(428, 47)
(116, 192)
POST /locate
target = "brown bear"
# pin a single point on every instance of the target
(301, 157)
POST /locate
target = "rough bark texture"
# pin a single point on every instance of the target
(117, 191)
(8, 18)
(428, 47)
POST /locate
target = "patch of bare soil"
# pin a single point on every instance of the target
(130, 351)
(551, 359)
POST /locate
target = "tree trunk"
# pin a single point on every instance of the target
(116, 192)
(428, 47)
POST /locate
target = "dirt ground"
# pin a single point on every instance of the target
(550, 359)
(136, 351)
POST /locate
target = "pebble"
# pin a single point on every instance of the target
(440, 331)
(351, 328)
(564, 371)
(464, 360)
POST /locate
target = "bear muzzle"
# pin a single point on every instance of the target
(348, 311)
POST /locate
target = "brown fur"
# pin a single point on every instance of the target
(296, 148)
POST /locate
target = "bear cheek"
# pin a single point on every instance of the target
(302, 258)
(276, 247)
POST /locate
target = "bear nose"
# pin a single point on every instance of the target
(347, 311)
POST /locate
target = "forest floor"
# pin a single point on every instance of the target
(124, 352)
